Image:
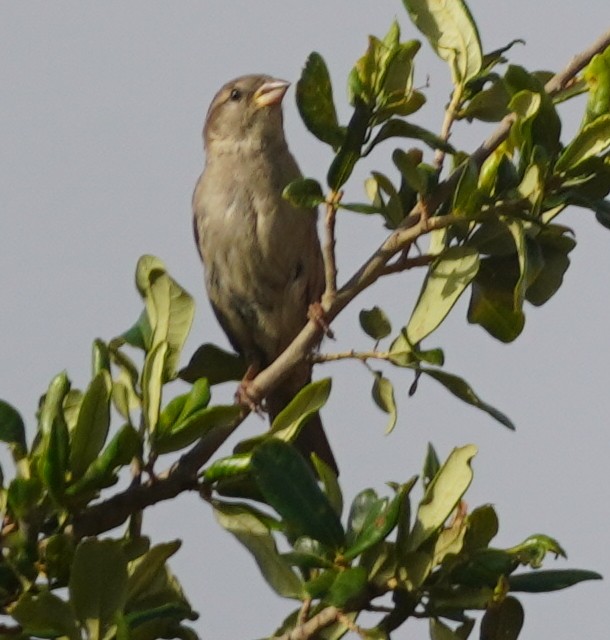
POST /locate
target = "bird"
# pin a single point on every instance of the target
(262, 260)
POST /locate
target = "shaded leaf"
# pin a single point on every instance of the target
(12, 429)
(45, 615)
(375, 323)
(215, 364)
(550, 580)
(348, 588)
(383, 395)
(300, 502)
(503, 620)
(314, 96)
(462, 390)
(97, 601)
(143, 571)
(243, 523)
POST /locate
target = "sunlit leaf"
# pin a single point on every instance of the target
(442, 495)
(304, 192)
(446, 280)
(452, 32)
(592, 140)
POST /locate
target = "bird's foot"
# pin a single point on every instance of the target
(247, 394)
(318, 315)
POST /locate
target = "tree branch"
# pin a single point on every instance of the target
(182, 476)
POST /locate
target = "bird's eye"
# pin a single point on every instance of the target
(235, 95)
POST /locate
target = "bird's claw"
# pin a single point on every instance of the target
(247, 394)
(318, 315)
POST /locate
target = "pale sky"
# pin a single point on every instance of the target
(100, 147)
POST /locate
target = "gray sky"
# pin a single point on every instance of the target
(100, 122)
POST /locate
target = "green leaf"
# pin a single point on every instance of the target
(432, 465)
(492, 302)
(462, 390)
(300, 502)
(533, 550)
(215, 364)
(467, 198)
(304, 192)
(314, 96)
(592, 140)
(440, 631)
(244, 524)
(503, 620)
(125, 445)
(447, 279)
(396, 128)
(88, 437)
(359, 509)
(152, 384)
(100, 357)
(483, 526)
(597, 77)
(549, 580)
(12, 429)
(330, 483)
(489, 105)
(169, 307)
(228, 467)
(45, 615)
(442, 495)
(375, 323)
(348, 588)
(145, 571)
(350, 152)
(380, 518)
(98, 584)
(390, 207)
(555, 247)
(23, 495)
(383, 395)
(183, 406)
(197, 425)
(452, 33)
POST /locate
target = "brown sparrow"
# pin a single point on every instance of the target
(262, 258)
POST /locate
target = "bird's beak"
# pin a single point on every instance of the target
(270, 93)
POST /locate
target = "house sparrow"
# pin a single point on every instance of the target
(262, 258)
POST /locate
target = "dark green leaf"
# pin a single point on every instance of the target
(492, 303)
(383, 395)
(300, 502)
(23, 495)
(145, 571)
(550, 580)
(483, 568)
(482, 527)
(503, 620)
(12, 429)
(432, 465)
(461, 389)
(100, 357)
(359, 509)
(375, 323)
(304, 192)
(215, 364)
(342, 166)
(314, 96)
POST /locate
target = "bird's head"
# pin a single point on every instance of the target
(246, 112)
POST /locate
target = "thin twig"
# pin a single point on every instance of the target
(309, 629)
(328, 248)
(350, 355)
(448, 120)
